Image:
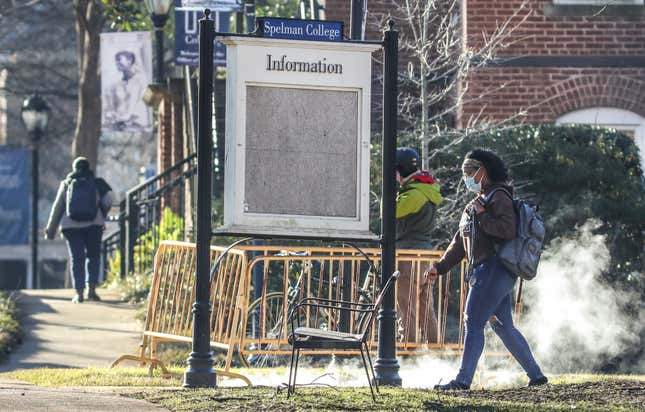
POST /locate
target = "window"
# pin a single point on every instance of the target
(627, 122)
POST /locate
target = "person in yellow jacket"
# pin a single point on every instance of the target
(416, 204)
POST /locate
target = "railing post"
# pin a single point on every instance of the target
(387, 366)
(122, 237)
(200, 371)
(132, 223)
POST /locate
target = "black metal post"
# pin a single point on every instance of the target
(34, 210)
(159, 21)
(239, 22)
(357, 20)
(132, 224)
(249, 12)
(315, 9)
(122, 237)
(387, 366)
(200, 371)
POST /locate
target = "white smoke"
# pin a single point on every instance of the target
(574, 320)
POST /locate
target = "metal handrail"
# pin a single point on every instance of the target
(162, 175)
(139, 212)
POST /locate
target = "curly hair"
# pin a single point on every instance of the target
(127, 54)
(494, 165)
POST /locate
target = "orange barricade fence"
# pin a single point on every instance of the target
(430, 312)
(172, 294)
(291, 273)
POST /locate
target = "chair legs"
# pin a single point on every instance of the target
(293, 354)
(365, 357)
(295, 357)
(369, 358)
(369, 378)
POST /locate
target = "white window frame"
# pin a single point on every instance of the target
(613, 118)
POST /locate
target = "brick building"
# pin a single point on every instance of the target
(571, 61)
(574, 62)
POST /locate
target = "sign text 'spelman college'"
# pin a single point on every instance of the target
(295, 29)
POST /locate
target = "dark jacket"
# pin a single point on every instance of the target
(495, 224)
(416, 203)
(57, 214)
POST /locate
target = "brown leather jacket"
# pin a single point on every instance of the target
(496, 223)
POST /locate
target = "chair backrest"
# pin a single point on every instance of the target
(365, 322)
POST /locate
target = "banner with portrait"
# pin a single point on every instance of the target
(126, 71)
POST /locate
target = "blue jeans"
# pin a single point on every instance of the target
(490, 291)
(84, 245)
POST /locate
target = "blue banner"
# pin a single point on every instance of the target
(213, 5)
(14, 196)
(187, 37)
(295, 29)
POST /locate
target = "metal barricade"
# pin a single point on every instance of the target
(291, 273)
(169, 313)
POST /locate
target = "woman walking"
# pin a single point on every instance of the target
(491, 284)
(82, 203)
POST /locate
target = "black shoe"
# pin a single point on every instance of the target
(452, 386)
(91, 294)
(542, 380)
(78, 298)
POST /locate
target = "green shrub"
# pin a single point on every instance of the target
(135, 287)
(10, 330)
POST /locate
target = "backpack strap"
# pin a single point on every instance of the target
(489, 196)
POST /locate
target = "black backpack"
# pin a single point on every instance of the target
(82, 204)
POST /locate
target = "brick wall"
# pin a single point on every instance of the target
(547, 93)
(542, 94)
(543, 34)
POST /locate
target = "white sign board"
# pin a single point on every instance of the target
(297, 138)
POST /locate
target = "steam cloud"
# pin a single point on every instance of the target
(575, 321)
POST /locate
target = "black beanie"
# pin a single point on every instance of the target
(81, 164)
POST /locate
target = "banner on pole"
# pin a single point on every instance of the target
(187, 36)
(212, 5)
(14, 195)
(126, 70)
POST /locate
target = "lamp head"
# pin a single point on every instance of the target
(35, 114)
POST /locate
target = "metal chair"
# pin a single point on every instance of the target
(318, 339)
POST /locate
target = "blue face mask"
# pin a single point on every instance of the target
(471, 185)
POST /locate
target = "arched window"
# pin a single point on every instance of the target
(628, 122)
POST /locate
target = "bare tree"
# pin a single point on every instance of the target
(89, 23)
(436, 64)
(439, 62)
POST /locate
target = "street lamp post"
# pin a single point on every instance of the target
(35, 116)
(158, 10)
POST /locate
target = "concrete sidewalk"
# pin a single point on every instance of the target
(59, 333)
(19, 396)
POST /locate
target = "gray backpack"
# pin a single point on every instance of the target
(522, 254)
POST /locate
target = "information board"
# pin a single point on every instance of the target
(297, 138)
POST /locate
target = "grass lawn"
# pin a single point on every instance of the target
(568, 392)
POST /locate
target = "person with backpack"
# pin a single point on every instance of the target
(82, 203)
(416, 204)
(487, 221)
